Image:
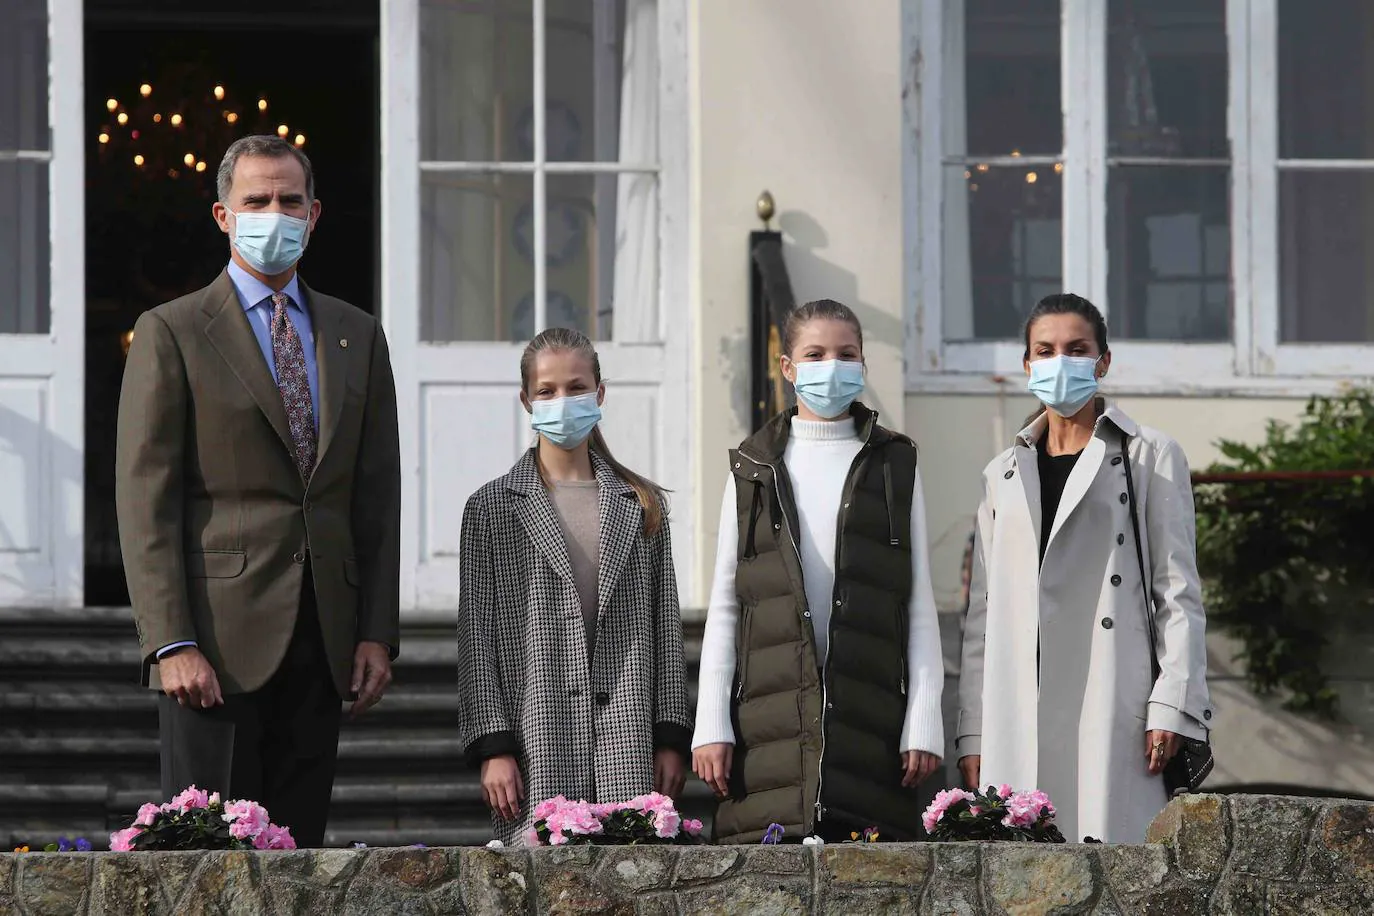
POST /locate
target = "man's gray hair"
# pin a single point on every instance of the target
(260, 145)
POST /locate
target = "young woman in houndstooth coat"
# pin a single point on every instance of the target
(570, 658)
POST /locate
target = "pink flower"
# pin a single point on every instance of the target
(943, 800)
(1024, 808)
(549, 806)
(1005, 790)
(146, 815)
(532, 837)
(123, 840)
(556, 838)
(273, 837)
(191, 798)
(247, 819)
(666, 824)
(692, 827)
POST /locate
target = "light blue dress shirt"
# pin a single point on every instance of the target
(256, 298)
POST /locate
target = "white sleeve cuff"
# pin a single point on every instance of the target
(1168, 719)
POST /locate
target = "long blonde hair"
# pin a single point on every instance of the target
(651, 496)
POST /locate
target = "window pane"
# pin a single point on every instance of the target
(1169, 241)
(1167, 78)
(24, 248)
(477, 239)
(1003, 248)
(476, 79)
(1326, 79)
(1326, 257)
(602, 251)
(602, 81)
(1009, 79)
(24, 75)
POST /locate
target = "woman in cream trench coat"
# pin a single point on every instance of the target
(1077, 625)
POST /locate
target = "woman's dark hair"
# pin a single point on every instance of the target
(553, 340)
(1068, 304)
(827, 309)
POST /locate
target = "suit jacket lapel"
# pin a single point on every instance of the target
(538, 516)
(621, 522)
(231, 335)
(1028, 469)
(331, 359)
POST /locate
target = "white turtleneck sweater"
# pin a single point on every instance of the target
(818, 458)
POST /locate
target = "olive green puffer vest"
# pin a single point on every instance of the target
(813, 743)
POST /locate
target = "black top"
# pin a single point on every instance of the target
(1054, 473)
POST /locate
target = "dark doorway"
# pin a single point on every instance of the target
(185, 84)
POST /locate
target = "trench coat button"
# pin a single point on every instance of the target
(1207, 714)
(1116, 580)
(1107, 623)
(1124, 497)
(1120, 539)
(603, 699)
(806, 613)
(1008, 475)
(776, 526)
(830, 704)
(838, 602)
(298, 557)
(737, 465)
(1116, 460)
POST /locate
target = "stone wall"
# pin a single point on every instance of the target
(1209, 854)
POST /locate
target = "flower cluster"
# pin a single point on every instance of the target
(647, 819)
(997, 813)
(197, 819)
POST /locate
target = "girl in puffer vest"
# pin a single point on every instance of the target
(821, 672)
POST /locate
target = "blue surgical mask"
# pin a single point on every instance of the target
(270, 242)
(828, 387)
(1064, 383)
(566, 422)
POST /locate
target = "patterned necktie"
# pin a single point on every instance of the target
(294, 384)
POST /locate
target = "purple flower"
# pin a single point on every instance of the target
(64, 844)
(83, 845)
(773, 835)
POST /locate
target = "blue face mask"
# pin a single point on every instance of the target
(1064, 384)
(270, 242)
(827, 388)
(566, 422)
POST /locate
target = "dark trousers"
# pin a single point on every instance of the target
(276, 745)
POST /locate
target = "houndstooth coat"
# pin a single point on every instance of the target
(585, 731)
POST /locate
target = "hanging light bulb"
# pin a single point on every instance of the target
(1058, 168)
(1016, 154)
(300, 139)
(200, 166)
(262, 104)
(283, 130)
(145, 90)
(138, 160)
(1032, 178)
(111, 104)
(231, 116)
(133, 134)
(123, 118)
(189, 159)
(104, 138)
(219, 92)
(176, 120)
(157, 119)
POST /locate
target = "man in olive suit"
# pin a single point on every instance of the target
(258, 490)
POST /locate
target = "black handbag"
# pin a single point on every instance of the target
(1187, 769)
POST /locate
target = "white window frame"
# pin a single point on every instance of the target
(539, 168)
(1253, 362)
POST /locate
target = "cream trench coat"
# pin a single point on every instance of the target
(1073, 722)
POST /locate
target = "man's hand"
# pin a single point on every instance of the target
(712, 763)
(916, 766)
(969, 768)
(1160, 748)
(371, 675)
(670, 772)
(502, 788)
(188, 677)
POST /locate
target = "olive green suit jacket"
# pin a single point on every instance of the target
(216, 523)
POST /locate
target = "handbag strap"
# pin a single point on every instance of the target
(1140, 555)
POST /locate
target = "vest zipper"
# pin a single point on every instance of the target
(895, 542)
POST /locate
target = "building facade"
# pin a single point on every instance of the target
(1200, 169)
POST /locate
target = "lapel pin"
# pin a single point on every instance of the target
(343, 342)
